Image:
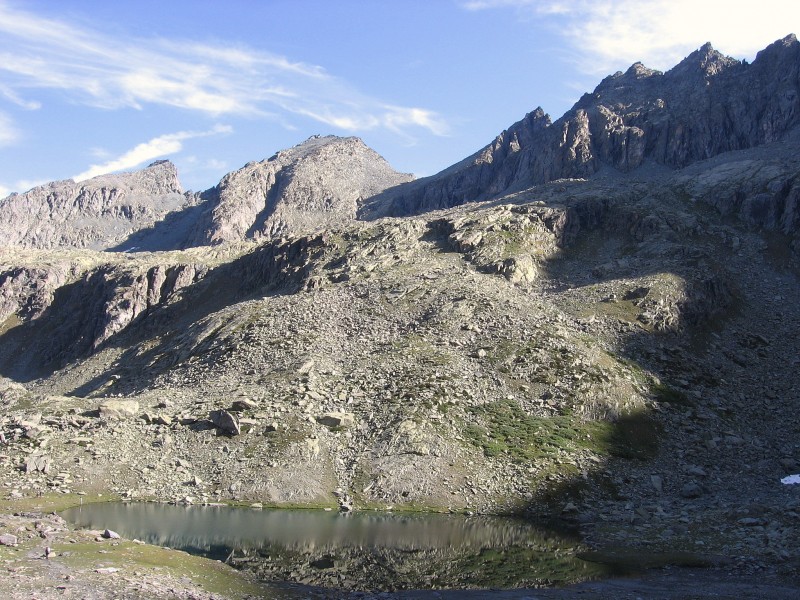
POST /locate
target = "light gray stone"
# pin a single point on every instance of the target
(337, 419)
(119, 409)
(38, 463)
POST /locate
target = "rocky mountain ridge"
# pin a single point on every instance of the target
(706, 105)
(318, 183)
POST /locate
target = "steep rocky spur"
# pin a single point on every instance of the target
(705, 105)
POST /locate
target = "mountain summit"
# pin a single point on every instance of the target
(318, 183)
(705, 105)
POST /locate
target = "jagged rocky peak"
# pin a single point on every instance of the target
(706, 105)
(487, 172)
(97, 213)
(787, 43)
(780, 59)
(705, 61)
(638, 71)
(315, 184)
(634, 75)
(513, 139)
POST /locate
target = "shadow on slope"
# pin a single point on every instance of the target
(648, 270)
(68, 330)
(176, 231)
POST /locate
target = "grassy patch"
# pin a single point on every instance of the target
(634, 435)
(293, 430)
(622, 310)
(52, 502)
(424, 352)
(507, 430)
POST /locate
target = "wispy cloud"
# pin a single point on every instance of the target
(399, 118)
(608, 35)
(29, 184)
(15, 98)
(20, 185)
(215, 164)
(162, 145)
(112, 72)
(8, 133)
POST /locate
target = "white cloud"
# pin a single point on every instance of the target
(398, 118)
(113, 72)
(8, 133)
(214, 164)
(484, 4)
(15, 98)
(162, 145)
(23, 185)
(609, 35)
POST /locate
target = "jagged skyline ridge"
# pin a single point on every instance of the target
(706, 105)
(115, 88)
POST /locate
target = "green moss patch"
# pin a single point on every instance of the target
(52, 502)
(665, 393)
(529, 567)
(505, 429)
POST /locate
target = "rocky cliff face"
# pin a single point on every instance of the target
(99, 213)
(318, 183)
(706, 105)
(80, 303)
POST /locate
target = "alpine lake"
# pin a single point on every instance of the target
(362, 550)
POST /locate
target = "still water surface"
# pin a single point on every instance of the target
(362, 550)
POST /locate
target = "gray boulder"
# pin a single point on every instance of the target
(225, 422)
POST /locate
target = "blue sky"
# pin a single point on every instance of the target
(88, 87)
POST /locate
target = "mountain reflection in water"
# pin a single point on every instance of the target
(362, 550)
